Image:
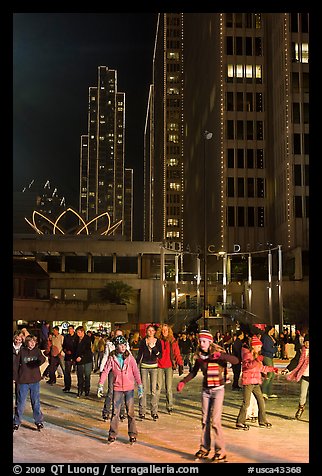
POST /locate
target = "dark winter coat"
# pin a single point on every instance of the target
(84, 350)
(28, 365)
(69, 346)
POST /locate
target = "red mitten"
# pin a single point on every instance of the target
(216, 355)
(276, 370)
(180, 386)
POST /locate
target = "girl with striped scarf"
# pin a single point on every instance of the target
(212, 363)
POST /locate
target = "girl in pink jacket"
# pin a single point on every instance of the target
(252, 368)
(125, 374)
(301, 374)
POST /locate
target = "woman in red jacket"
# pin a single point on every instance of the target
(171, 358)
(252, 368)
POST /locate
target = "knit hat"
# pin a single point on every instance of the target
(256, 341)
(119, 340)
(306, 337)
(204, 334)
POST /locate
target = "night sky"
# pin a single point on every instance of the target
(55, 60)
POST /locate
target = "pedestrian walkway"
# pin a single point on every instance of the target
(75, 432)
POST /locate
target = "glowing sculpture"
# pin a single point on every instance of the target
(84, 227)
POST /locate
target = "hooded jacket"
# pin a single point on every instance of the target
(123, 378)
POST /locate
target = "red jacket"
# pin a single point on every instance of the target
(171, 356)
(252, 369)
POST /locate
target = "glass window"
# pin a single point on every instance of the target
(250, 158)
(250, 132)
(239, 45)
(249, 50)
(259, 102)
(259, 130)
(240, 216)
(296, 143)
(230, 157)
(250, 216)
(260, 217)
(306, 113)
(240, 101)
(296, 113)
(295, 83)
(230, 101)
(306, 175)
(229, 45)
(250, 187)
(249, 102)
(231, 216)
(240, 158)
(260, 158)
(230, 129)
(258, 46)
(297, 175)
(241, 187)
(240, 130)
(260, 188)
(230, 187)
(298, 207)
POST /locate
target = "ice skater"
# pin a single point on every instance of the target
(212, 363)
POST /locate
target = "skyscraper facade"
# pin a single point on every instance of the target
(239, 130)
(163, 205)
(102, 174)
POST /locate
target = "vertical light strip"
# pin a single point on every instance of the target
(165, 158)
(222, 171)
(287, 135)
(182, 132)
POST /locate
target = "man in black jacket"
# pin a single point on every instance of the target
(84, 361)
(69, 348)
(236, 350)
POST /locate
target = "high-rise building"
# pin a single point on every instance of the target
(163, 200)
(228, 152)
(102, 175)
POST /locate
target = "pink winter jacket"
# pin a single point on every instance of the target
(125, 378)
(253, 368)
(296, 374)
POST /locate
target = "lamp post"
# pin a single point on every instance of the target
(207, 136)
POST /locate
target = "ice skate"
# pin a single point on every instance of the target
(39, 426)
(201, 454)
(132, 440)
(219, 458)
(111, 439)
(15, 427)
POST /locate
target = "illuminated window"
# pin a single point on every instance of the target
(173, 138)
(174, 186)
(172, 162)
(173, 222)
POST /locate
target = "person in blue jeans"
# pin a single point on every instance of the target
(125, 371)
(269, 350)
(28, 378)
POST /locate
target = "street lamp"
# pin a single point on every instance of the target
(207, 136)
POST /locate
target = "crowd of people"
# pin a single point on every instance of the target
(141, 366)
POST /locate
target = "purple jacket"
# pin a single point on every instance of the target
(125, 378)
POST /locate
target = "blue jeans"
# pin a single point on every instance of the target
(34, 392)
(145, 375)
(168, 379)
(268, 382)
(211, 405)
(84, 376)
(118, 399)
